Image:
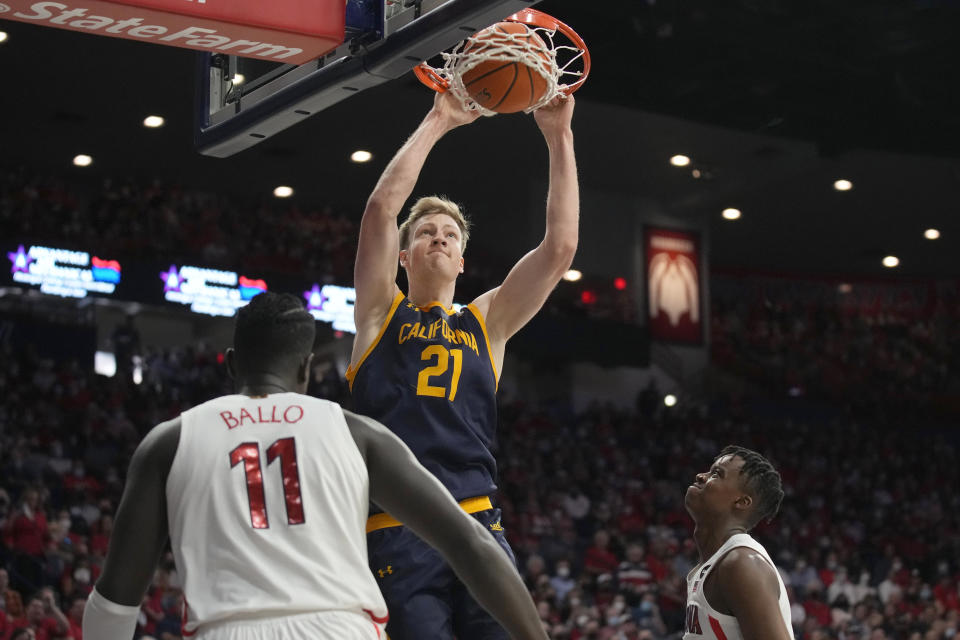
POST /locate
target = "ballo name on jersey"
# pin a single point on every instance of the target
(289, 415)
(439, 326)
(60, 14)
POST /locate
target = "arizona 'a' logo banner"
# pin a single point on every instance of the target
(674, 297)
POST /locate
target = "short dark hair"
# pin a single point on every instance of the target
(761, 480)
(273, 330)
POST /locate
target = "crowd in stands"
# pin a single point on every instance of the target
(867, 539)
(878, 349)
(850, 386)
(129, 219)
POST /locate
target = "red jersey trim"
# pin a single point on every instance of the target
(717, 629)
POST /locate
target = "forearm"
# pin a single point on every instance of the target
(62, 623)
(399, 178)
(563, 195)
(486, 570)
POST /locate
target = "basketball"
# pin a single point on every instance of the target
(505, 86)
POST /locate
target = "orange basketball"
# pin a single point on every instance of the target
(500, 85)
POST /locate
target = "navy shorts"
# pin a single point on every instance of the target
(424, 597)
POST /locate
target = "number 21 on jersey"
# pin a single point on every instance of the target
(248, 453)
(439, 358)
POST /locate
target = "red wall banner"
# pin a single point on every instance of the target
(674, 290)
(292, 31)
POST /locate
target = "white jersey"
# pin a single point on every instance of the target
(702, 620)
(267, 500)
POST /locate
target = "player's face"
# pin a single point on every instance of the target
(715, 490)
(435, 245)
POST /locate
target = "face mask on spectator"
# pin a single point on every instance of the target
(563, 572)
(82, 575)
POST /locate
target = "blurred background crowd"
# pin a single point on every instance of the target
(851, 390)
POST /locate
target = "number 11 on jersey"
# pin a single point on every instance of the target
(249, 454)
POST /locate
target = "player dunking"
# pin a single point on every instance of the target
(735, 592)
(431, 374)
(265, 497)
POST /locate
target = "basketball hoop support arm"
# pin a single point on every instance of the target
(304, 90)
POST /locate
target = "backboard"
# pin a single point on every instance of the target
(241, 101)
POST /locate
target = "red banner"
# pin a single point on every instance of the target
(674, 294)
(292, 31)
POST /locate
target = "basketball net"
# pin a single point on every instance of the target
(564, 68)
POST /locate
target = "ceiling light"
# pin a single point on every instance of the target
(82, 160)
(3, 36)
(572, 275)
(931, 234)
(680, 160)
(845, 287)
(361, 156)
(238, 78)
(283, 192)
(153, 121)
(670, 400)
(843, 185)
(731, 213)
(697, 174)
(891, 261)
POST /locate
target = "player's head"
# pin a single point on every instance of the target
(432, 240)
(432, 205)
(741, 484)
(273, 336)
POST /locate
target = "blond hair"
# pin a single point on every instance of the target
(428, 206)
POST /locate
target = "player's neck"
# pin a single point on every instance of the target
(264, 384)
(423, 293)
(710, 536)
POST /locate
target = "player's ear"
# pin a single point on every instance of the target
(403, 258)
(461, 265)
(744, 502)
(230, 357)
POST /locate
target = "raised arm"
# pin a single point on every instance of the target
(751, 590)
(375, 271)
(511, 305)
(401, 486)
(139, 536)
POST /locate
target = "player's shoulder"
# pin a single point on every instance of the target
(482, 302)
(159, 446)
(744, 565)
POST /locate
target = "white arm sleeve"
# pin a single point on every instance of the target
(106, 620)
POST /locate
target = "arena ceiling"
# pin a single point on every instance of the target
(772, 99)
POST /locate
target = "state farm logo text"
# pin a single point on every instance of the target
(59, 14)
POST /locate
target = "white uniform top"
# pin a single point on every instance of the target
(267, 500)
(702, 620)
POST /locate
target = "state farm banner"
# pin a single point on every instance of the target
(292, 31)
(674, 290)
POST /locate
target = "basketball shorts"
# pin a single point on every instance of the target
(425, 598)
(327, 625)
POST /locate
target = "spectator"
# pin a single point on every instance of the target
(598, 559)
(27, 530)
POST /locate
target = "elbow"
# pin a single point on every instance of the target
(562, 253)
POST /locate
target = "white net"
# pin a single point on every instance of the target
(535, 47)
